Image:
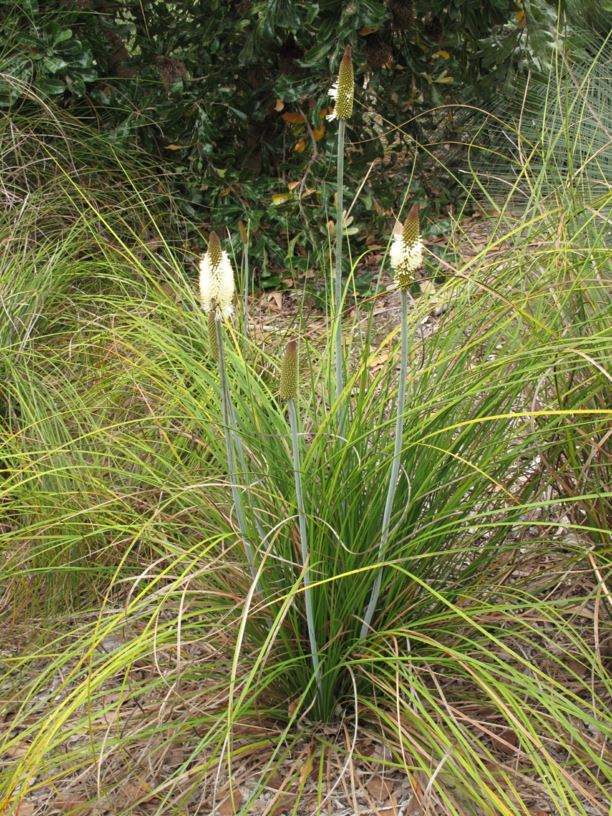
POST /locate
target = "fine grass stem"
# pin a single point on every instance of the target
(245, 231)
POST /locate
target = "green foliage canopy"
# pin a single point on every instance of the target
(230, 95)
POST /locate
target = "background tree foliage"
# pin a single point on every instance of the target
(230, 96)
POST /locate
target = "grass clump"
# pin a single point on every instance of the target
(457, 478)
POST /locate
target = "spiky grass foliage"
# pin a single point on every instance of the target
(558, 139)
(148, 670)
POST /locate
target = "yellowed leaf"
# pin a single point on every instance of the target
(280, 198)
(292, 118)
(279, 105)
(380, 358)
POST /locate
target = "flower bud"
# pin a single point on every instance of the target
(244, 232)
(343, 90)
(214, 249)
(412, 230)
(288, 377)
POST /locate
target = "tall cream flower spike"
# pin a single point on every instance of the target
(216, 279)
(406, 251)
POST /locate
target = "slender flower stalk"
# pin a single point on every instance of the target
(406, 257)
(243, 469)
(343, 92)
(216, 296)
(339, 359)
(288, 392)
(213, 346)
(228, 415)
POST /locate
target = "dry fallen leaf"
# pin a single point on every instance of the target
(275, 781)
(227, 808)
(15, 751)
(131, 791)
(283, 804)
(380, 359)
(507, 741)
(379, 788)
(275, 299)
(70, 805)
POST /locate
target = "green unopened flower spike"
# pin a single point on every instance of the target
(288, 377)
(216, 279)
(407, 249)
(343, 89)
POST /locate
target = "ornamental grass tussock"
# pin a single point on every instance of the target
(406, 252)
(216, 279)
(343, 89)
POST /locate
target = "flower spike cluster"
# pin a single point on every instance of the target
(216, 279)
(343, 89)
(407, 249)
